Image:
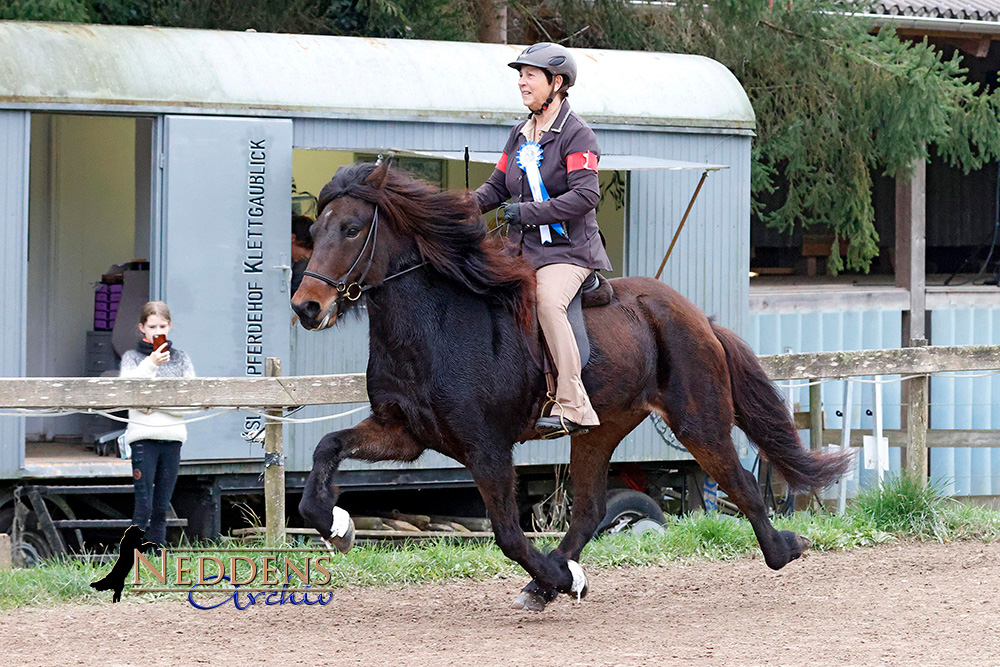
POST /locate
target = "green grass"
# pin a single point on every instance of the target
(903, 509)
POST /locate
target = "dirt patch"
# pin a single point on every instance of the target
(926, 604)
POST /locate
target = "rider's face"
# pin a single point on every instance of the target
(535, 87)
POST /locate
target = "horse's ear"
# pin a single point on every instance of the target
(377, 177)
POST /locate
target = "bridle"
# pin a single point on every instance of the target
(353, 291)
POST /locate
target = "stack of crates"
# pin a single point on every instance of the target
(106, 300)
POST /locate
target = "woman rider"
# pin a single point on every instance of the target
(549, 170)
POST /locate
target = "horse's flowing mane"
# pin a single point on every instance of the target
(447, 229)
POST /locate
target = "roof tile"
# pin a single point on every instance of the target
(968, 10)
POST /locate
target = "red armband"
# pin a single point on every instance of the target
(575, 161)
(502, 163)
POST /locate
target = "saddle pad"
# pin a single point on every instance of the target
(575, 313)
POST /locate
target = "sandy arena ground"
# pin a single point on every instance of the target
(912, 604)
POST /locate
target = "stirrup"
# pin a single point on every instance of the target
(564, 427)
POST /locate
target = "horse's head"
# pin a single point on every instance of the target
(351, 248)
(377, 223)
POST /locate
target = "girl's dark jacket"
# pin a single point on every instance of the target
(569, 171)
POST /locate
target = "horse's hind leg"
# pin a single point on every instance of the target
(588, 465)
(708, 436)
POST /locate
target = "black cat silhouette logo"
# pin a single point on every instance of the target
(115, 580)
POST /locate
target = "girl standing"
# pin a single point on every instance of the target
(155, 435)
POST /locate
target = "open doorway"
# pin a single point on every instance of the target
(90, 209)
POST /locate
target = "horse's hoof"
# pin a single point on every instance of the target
(529, 601)
(342, 530)
(579, 587)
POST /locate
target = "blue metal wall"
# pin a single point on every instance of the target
(15, 134)
(957, 402)
(710, 264)
(966, 403)
(776, 333)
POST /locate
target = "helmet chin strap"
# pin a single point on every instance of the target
(552, 94)
(540, 110)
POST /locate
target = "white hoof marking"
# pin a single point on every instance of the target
(579, 578)
(341, 522)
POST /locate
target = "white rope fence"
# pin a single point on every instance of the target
(217, 412)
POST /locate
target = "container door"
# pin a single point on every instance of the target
(15, 137)
(222, 257)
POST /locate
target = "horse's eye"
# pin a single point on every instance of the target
(352, 232)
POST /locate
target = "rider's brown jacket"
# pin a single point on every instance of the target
(569, 172)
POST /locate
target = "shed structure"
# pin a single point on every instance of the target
(182, 147)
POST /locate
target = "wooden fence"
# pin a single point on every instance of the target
(274, 393)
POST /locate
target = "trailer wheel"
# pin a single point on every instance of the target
(629, 510)
(33, 548)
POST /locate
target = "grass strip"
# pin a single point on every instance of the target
(902, 509)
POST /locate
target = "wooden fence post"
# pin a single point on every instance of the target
(916, 398)
(274, 468)
(6, 555)
(816, 416)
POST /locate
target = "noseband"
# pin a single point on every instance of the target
(353, 291)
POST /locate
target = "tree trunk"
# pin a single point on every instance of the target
(492, 26)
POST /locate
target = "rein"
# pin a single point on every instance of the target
(353, 291)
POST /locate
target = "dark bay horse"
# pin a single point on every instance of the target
(453, 367)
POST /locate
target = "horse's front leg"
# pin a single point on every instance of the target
(588, 468)
(369, 441)
(493, 470)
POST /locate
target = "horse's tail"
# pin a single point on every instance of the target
(762, 415)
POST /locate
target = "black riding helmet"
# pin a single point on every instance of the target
(553, 59)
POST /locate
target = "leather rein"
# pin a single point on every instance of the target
(352, 291)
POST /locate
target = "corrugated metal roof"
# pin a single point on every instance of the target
(971, 10)
(121, 67)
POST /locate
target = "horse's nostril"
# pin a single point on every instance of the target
(307, 310)
(311, 309)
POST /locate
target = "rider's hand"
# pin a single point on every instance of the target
(160, 356)
(512, 214)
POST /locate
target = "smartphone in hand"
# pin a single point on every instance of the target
(159, 340)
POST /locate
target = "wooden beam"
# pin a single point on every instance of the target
(277, 392)
(911, 232)
(898, 361)
(978, 47)
(6, 555)
(274, 468)
(966, 296)
(915, 397)
(108, 393)
(801, 299)
(816, 417)
(935, 438)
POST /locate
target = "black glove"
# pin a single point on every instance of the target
(512, 214)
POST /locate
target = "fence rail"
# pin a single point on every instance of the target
(281, 392)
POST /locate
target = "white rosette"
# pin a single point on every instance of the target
(529, 159)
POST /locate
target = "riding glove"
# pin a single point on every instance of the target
(512, 213)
